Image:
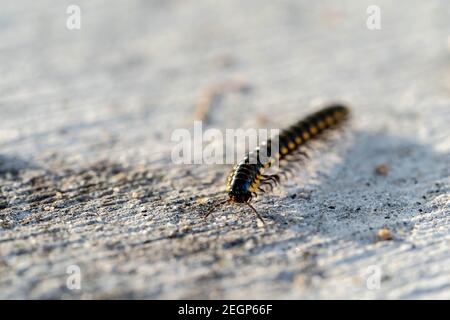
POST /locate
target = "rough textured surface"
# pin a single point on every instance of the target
(86, 176)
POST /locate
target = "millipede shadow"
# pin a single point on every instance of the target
(353, 199)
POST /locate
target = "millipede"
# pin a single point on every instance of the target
(249, 176)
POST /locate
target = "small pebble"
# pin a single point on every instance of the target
(202, 201)
(382, 170)
(119, 177)
(384, 234)
(185, 229)
(135, 195)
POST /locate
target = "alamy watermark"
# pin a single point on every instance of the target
(212, 146)
(373, 21)
(73, 281)
(373, 280)
(73, 21)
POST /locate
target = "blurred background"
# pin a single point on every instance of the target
(133, 72)
(86, 119)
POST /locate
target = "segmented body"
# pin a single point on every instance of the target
(248, 176)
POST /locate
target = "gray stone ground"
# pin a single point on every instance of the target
(86, 176)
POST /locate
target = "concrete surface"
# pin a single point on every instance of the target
(86, 177)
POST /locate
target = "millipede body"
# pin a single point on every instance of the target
(250, 174)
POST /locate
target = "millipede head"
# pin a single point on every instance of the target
(240, 197)
(240, 194)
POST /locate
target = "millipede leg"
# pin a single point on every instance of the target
(274, 177)
(212, 209)
(302, 154)
(256, 212)
(284, 174)
(270, 178)
(268, 183)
